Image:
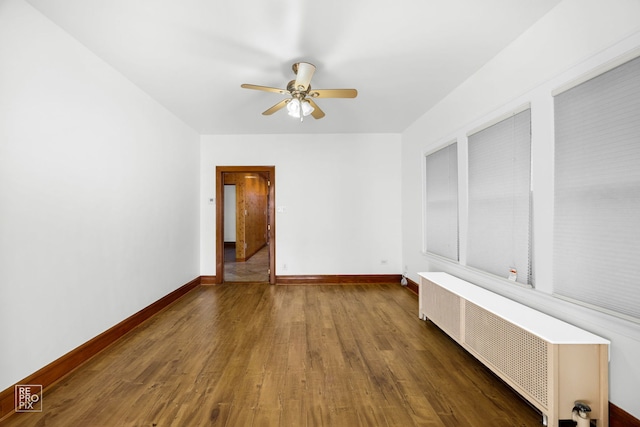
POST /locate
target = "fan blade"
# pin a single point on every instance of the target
(317, 113)
(264, 88)
(333, 93)
(303, 75)
(276, 107)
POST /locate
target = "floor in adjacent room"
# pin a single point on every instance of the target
(265, 355)
(255, 269)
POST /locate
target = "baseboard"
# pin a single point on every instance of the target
(620, 418)
(207, 280)
(57, 369)
(321, 279)
(413, 286)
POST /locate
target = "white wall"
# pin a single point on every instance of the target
(574, 38)
(99, 195)
(340, 193)
(229, 213)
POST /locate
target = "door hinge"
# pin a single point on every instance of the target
(268, 183)
(269, 227)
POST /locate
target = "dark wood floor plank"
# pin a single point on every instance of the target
(260, 355)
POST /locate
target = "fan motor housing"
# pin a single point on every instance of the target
(291, 87)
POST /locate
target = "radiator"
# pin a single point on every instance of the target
(547, 361)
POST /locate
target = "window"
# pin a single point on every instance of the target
(442, 202)
(597, 192)
(499, 198)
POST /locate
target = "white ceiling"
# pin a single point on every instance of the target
(402, 56)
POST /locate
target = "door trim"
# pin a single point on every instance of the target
(270, 172)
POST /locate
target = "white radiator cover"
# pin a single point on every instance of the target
(549, 362)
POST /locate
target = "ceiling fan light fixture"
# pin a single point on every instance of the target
(307, 108)
(295, 106)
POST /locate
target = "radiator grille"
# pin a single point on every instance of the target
(443, 308)
(516, 353)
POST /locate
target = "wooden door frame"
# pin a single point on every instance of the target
(270, 172)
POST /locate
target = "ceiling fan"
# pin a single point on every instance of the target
(301, 103)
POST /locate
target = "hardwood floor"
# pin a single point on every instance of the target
(261, 355)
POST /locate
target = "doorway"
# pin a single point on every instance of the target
(245, 252)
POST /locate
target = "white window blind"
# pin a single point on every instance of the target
(442, 202)
(499, 198)
(597, 192)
